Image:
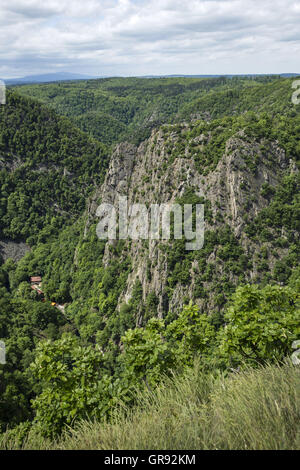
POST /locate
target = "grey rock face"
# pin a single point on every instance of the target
(146, 175)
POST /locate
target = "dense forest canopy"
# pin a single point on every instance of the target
(116, 109)
(44, 160)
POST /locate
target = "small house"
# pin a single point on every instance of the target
(35, 280)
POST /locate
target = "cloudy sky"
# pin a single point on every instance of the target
(142, 37)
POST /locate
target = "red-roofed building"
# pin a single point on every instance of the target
(35, 280)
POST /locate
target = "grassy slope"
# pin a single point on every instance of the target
(255, 409)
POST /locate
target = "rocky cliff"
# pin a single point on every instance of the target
(235, 187)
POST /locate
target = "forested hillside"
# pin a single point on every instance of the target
(117, 109)
(48, 168)
(113, 317)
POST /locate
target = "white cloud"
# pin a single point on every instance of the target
(133, 37)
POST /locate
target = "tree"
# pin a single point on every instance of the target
(147, 354)
(156, 349)
(261, 324)
(74, 384)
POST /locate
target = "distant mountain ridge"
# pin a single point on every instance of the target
(284, 75)
(64, 76)
(48, 77)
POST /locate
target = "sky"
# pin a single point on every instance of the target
(149, 37)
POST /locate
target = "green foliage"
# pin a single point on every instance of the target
(44, 159)
(75, 381)
(283, 210)
(74, 384)
(23, 322)
(118, 109)
(147, 354)
(271, 95)
(48, 168)
(158, 348)
(115, 109)
(261, 324)
(190, 334)
(257, 409)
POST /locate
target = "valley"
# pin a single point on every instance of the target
(136, 311)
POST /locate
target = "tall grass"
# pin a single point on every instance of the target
(254, 409)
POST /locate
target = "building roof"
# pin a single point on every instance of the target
(35, 279)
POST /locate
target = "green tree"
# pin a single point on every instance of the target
(260, 324)
(74, 384)
(147, 353)
(190, 334)
(156, 349)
